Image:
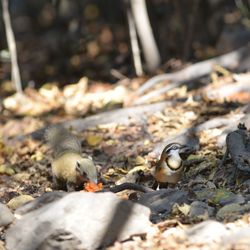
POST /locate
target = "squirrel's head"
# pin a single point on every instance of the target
(86, 170)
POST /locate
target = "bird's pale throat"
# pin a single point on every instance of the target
(174, 162)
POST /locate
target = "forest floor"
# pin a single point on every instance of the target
(126, 147)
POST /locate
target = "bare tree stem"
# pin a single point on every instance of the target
(143, 26)
(134, 42)
(15, 73)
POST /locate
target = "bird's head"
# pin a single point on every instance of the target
(174, 148)
(172, 154)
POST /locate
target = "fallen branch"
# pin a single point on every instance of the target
(189, 136)
(122, 116)
(230, 60)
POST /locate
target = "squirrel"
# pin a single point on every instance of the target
(69, 168)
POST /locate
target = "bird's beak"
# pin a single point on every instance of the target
(185, 150)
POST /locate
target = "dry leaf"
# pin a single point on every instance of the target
(94, 140)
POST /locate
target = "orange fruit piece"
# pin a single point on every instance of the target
(92, 187)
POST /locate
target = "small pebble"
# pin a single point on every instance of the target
(18, 201)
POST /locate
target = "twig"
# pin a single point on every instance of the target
(129, 186)
(145, 98)
(15, 73)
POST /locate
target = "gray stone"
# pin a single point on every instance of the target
(238, 238)
(200, 211)
(209, 235)
(88, 220)
(43, 200)
(246, 184)
(218, 196)
(215, 235)
(234, 198)
(207, 232)
(161, 202)
(232, 211)
(6, 217)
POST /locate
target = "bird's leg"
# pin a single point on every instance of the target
(156, 185)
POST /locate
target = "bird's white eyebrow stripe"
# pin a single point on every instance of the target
(170, 147)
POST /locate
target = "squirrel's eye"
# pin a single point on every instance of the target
(78, 167)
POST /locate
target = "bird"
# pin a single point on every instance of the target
(169, 168)
(70, 169)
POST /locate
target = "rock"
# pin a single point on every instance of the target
(6, 217)
(238, 239)
(246, 184)
(208, 235)
(39, 202)
(18, 201)
(215, 235)
(222, 196)
(161, 202)
(87, 219)
(200, 211)
(234, 198)
(218, 196)
(204, 194)
(62, 240)
(206, 232)
(232, 211)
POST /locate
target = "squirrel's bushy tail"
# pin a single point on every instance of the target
(61, 140)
